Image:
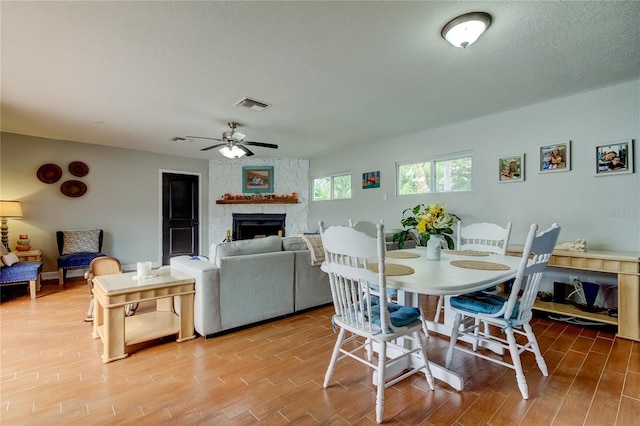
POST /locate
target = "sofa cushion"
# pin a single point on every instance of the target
(293, 244)
(244, 247)
(314, 243)
(84, 241)
(19, 272)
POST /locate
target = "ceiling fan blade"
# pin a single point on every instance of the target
(262, 144)
(202, 137)
(213, 146)
(245, 149)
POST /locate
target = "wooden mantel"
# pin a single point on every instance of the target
(275, 201)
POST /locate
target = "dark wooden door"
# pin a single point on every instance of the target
(180, 227)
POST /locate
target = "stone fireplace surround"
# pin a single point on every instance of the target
(225, 176)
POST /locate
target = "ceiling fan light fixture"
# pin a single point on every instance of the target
(231, 152)
(464, 30)
(237, 136)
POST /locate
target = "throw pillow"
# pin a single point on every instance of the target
(293, 243)
(81, 241)
(9, 259)
(3, 251)
(314, 243)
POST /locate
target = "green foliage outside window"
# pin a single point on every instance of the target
(449, 175)
(332, 188)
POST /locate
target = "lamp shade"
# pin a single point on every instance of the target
(10, 209)
(464, 30)
(233, 152)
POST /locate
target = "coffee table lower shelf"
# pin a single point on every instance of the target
(148, 326)
(572, 311)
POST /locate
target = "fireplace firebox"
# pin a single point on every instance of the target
(248, 226)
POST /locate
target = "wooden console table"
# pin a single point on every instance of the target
(113, 292)
(29, 255)
(625, 265)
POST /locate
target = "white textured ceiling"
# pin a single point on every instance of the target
(135, 74)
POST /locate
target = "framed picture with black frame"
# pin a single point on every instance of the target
(257, 179)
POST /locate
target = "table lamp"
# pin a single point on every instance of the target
(8, 209)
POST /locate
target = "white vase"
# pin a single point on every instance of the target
(434, 248)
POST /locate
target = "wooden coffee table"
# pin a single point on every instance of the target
(111, 294)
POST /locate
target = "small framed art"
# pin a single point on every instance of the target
(257, 179)
(371, 180)
(614, 158)
(511, 168)
(556, 157)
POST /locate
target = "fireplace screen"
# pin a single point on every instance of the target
(248, 226)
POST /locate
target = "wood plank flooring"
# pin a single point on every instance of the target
(52, 374)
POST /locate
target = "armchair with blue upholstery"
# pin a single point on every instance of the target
(13, 272)
(77, 249)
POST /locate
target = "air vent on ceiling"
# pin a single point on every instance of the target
(252, 104)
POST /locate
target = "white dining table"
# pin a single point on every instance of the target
(441, 278)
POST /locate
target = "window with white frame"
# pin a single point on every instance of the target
(336, 187)
(443, 174)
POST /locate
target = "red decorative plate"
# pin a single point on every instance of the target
(78, 168)
(49, 173)
(73, 188)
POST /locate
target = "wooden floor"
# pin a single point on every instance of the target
(52, 374)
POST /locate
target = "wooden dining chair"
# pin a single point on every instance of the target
(485, 237)
(482, 237)
(104, 265)
(512, 314)
(353, 260)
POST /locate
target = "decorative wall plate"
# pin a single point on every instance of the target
(73, 188)
(49, 173)
(78, 168)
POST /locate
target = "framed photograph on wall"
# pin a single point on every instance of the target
(371, 180)
(511, 168)
(614, 158)
(556, 157)
(257, 179)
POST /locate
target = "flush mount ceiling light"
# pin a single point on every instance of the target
(465, 29)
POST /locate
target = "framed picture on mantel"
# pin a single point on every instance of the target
(257, 179)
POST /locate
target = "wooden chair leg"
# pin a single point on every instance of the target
(517, 365)
(453, 339)
(33, 285)
(381, 381)
(334, 357)
(536, 349)
(61, 275)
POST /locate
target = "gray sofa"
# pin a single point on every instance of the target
(249, 281)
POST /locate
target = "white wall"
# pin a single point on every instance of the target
(603, 210)
(123, 196)
(225, 176)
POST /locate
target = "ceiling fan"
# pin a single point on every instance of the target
(233, 143)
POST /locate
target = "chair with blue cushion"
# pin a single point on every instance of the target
(13, 272)
(363, 319)
(512, 314)
(77, 248)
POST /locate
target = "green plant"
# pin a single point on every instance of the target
(421, 222)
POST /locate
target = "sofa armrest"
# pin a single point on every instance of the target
(206, 305)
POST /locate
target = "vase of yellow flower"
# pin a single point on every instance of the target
(426, 224)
